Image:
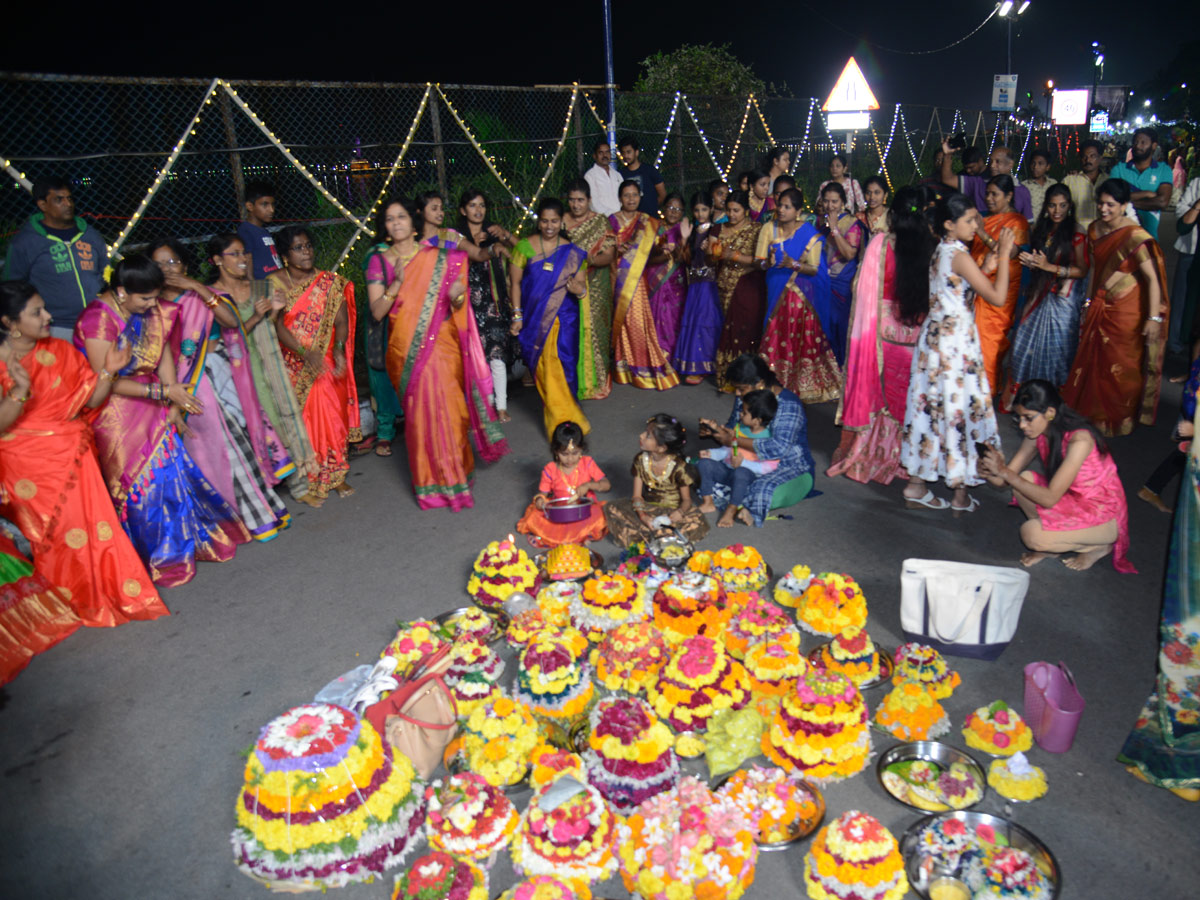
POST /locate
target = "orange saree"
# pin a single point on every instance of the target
(58, 498)
(329, 402)
(994, 322)
(1116, 375)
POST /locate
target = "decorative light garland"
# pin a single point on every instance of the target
(17, 176)
(738, 143)
(599, 120)
(888, 149)
(908, 142)
(883, 166)
(995, 133)
(188, 131)
(279, 145)
(703, 136)
(557, 150)
(667, 135)
(763, 119)
(487, 160)
(1028, 135)
(812, 104)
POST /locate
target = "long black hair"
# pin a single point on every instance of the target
(748, 370)
(464, 226)
(14, 297)
(138, 274)
(949, 208)
(1056, 240)
(668, 431)
(1038, 395)
(915, 244)
(218, 244)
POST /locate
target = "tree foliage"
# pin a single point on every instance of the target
(702, 70)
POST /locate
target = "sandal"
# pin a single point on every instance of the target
(383, 448)
(363, 447)
(928, 500)
(969, 508)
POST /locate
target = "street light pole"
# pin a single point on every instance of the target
(609, 77)
(1005, 10)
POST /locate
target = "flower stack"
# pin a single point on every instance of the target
(775, 667)
(630, 657)
(739, 568)
(918, 662)
(326, 802)
(700, 562)
(820, 730)
(467, 656)
(413, 642)
(500, 569)
(643, 568)
(473, 624)
(554, 601)
(832, 602)
(497, 740)
(547, 887)
(699, 680)
(471, 691)
(776, 803)
(1015, 779)
(524, 627)
(571, 839)
(687, 843)
(630, 757)
(689, 604)
(555, 682)
(756, 621)
(790, 590)
(469, 818)
(607, 600)
(550, 762)
(439, 876)
(854, 855)
(911, 713)
(1007, 872)
(852, 653)
(997, 729)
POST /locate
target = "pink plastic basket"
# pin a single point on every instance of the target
(1053, 705)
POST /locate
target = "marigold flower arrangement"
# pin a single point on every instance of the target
(439, 876)
(550, 762)
(554, 600)
(687, 843)
(497, 740)
(630, 756)
(689, 604)
(1006, 872)
(471, 691)
(552, 679)
(524, 627)
(739, 567)
(469, 818)
(699, 680)
(325, 802)
(638, 564)
(700, 561)
(852, 653)
(547, 887)
(472, 623)
(470, 655)
(789, 591)
(911, 713)
(831, 603)
(1015, 779)
(997, 729)
(573, 841)
(500, 569)
(775, 667)
(630, 657)
(756, 621)
(607, 600)
(919, 662)
(413, 642)
(855, 854)
(776, 803)
(820, 730)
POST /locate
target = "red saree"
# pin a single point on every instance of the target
(58, 498)
(994, 322)
(329, 402)
(1116, 375)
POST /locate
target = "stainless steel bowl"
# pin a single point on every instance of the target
(678, 558)
(929, 751)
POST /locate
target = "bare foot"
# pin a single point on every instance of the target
(743, 516)
(726, 520)
(344, 490)
(1153, 499)
(1033, 557)
(310, 500)
(1081, 561)
(503, 416)
(707, 505)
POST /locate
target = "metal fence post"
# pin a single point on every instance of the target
(235, 158)
(579, 141)
(439, 154)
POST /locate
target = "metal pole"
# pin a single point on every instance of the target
(609, 77)
(1008, 71)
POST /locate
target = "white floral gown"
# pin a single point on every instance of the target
(949, 406)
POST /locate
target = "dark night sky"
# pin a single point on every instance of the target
(496, 43)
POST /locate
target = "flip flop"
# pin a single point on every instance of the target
(962, 510)
(383, 448)
(928, 500)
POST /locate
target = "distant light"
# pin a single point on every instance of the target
(1138, 120)
(1006, 8)
(1049, 82)
(1184, 85)
(1024, 6)
(1147, 103)
(1099, 59)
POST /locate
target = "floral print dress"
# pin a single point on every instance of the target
(949, 399)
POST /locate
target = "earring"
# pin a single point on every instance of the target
(1050, 416)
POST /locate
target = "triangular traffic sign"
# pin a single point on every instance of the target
(851, 93)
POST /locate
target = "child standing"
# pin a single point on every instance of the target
(260, 212)
(662, 487)
(696, 349)
(738, 467)
(570, 476)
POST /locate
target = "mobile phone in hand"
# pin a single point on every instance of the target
(982, 449)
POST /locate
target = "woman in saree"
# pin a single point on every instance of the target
(436, 363)
(666, 282)
(843, 240)
(700, 327)
(740, 286)
(1117, 371)
(314, 329)
(993, 322)
(231, 264)
(431, 208)
(171, 512)
(50, 483)
(839, 173)
(588, 229)
(233, 443)
(547, 276)
(794, 343)
(487, 291)
(639, 358)
(891, 299)
(1047, 336)
(875, 216)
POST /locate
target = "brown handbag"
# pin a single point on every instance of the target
(420, 717)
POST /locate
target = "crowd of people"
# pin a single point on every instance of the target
(147, 419)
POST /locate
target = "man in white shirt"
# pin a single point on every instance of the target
(604, 179)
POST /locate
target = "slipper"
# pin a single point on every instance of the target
(383, 448)
(928, 500)
(970, 507)
(363, 447)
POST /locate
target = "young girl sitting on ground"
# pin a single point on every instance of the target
(571, 476)
(740, 467)
(662, 488)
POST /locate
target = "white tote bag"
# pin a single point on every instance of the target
(961, 608)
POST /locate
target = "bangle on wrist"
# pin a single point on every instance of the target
(1158, 319)
(16, 399)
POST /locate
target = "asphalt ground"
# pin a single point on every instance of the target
(121, 749)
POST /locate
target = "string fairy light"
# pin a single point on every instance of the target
(882, 156)
(1025, 146)
(279, 145)
(16, 175)
(907, 141)
(888, 149)
(812, 104)
(599, 119)
(667, 135)
(763, 119)
(557, 150)
(188, 131)
(995, 134)
(738, 143)
(412, 130)
(703, 136)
